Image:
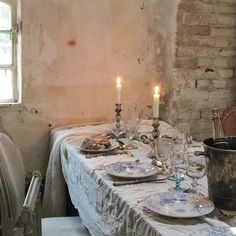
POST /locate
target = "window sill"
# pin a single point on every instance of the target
(5, 104)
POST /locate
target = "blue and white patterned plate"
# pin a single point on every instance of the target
(216, 231)
(131, 170)
(180, 205)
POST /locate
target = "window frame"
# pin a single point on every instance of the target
(15, 67)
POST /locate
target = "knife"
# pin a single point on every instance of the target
(92, 155)
(138, 181)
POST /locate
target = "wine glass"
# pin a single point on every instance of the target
(179, 163)
(196, 169)
(179, 145)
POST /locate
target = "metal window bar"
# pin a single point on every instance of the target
(14, 31)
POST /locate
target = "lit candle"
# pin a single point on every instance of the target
(118, 90)
(156, 100)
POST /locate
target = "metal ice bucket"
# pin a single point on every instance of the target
(221, 174)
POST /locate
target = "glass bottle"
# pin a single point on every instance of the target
(219, 139)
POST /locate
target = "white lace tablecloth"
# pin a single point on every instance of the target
(119, 210)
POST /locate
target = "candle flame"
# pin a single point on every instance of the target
(118, 81)
(156, 90)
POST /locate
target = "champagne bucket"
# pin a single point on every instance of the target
(221, 174)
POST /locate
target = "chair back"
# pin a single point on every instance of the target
(7, 224)
(12, 184)
(228, 120)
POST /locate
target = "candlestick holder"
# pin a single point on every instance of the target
(117, 133)
(155, 124)
(155, 134)
(118, 116)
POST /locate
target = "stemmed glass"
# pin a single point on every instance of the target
(196, 169)
(179, 163)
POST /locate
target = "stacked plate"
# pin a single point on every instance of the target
(131, 170)
(179, 204)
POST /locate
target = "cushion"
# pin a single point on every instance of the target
(63, 226)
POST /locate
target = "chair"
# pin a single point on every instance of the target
(228, 120)
(28, 220)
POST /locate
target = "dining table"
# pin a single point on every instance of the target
(109, 210)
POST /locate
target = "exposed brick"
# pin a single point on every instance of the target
(205, 61)
(221, 62)
(204, 74)
(186, 62)
(195, 94)
(224, 74)
(223, 20)
(195, 115)
(225, 1)
(195, 29)
(210, 75)
(213, 82)
(232, 61)
(231, 83)
(219, 83)
(186, 73)
(205, 114)
(224, 8)
(232, 42)
(222, 42)
(190, 84)
(228, 52)
(220, 94)
(180, 17)
(196, 19)
(196, 7)
(198, 52)
(202, 84)
(206, 1)
(195, 40)
(223, 32)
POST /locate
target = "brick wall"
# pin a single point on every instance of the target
(205, 62)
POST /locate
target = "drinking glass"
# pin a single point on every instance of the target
(132, 124)
(162, 153)
(131, 128)
(178, 147)
(179, 161)
(196, 169)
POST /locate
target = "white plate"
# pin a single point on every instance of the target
(113, 146)
(131, 170)
(179, 205)
(216, 231)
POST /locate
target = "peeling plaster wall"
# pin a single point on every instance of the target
(72, 52)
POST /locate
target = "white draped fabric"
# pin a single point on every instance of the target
(106, 209)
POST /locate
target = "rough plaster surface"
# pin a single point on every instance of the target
(72, 52)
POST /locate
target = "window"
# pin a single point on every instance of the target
(10, 40)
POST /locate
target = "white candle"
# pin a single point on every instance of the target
(118, 90)
(156, 100)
